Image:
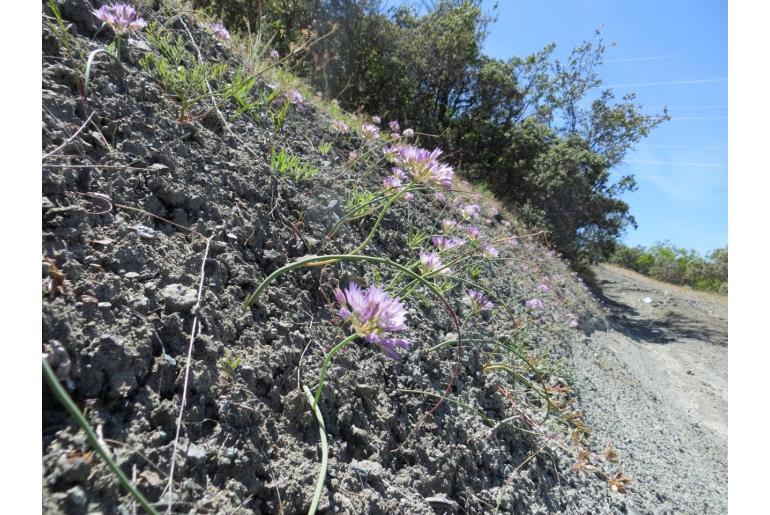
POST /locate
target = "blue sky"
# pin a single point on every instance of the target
(681, 168)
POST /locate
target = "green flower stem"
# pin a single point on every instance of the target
(383, 212)
(75, 413)
(340, 345)
(335, 258)
(319, 486)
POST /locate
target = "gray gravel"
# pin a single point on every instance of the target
(655, 385)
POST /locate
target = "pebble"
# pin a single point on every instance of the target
(179, 298)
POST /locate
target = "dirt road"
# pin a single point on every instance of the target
(655, 385)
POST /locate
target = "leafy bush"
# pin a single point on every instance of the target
(668, 263)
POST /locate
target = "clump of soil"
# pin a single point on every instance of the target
(129, 207)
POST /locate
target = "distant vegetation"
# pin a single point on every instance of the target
(675, 265)
(540, 133)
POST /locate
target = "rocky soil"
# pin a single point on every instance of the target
(138, 206)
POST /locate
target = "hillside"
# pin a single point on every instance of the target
(159, 224)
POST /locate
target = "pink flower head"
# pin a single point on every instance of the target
(408, 133)
(392, 182)
(424, 165)
(573, 322)
(447, 243)
(371, 132)
(534, 304)
(431, 262)
(340, 126)
(543, 287)
(376, 119)
(372, 314)
(448, 225)
(395, 135)
(120, 17)
(514, 240)
(394, 126)
(478, 302)
(473, 232)
(219, 31)
(470, 211)
(295, 97)
(489, 250)
(273, 54)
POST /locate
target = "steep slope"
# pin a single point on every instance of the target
(156, 228)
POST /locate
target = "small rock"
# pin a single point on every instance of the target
(367, 468)
(179, 298)
(144, 231)
(131, 275)
(105, 305)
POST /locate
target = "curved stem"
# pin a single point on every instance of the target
(340, 345)
(377, 223)
(75, 413)
(319, 486)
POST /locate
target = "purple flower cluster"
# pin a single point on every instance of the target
(274, 55)
(340, 126)
(295, 97)
(448, 225)
(478, 301)
(444, 243)
(431, 262)
(371, 132)
(423, 165)
(219, 31)
(489, 250)
(372, 314)
(534, 304)
(472, 231)
(543, 287)
(394, 126)
(470, 211)
(120, 17)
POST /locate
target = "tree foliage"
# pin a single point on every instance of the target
(539, 131)
(676, 265)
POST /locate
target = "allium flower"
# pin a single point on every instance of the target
(408, 133)
(470, 211)
(514, 240)
(220, 31)
(472, 232)
(395, 135)
(392, 182)
(439, 197)
(423, 165)
(372, 314)
(447, 243)
(377, 120)
(534, 304)
(431, 262)
(394, 126)
(295, 97)
(120, 17)
(573, 322)
(274, 55)
(340, 127)
(371, 132)
(478, 302)
(489, 250)
(448, 225)
(543, 287)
